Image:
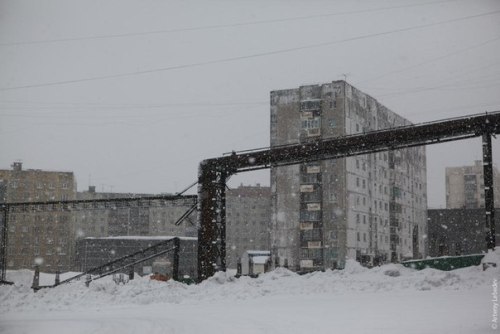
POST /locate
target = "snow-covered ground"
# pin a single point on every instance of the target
(388, 299)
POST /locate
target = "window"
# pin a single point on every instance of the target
(357, 182)
(311, 123)
(310, 215)
(357, 164)
(364, 237)
(357, 218)
(310, 105)
(364, 200)
(364, 183)
(358, 236)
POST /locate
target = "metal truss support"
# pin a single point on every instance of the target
(212, 218)
(129, 261)
(109, 203)
(175, 266)
(3, 247)
(213, 173)
(488, 191)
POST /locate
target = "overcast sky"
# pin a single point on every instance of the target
(132, 95)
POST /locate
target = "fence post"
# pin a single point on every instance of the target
(36, 279)
(58, 279)
(238, 268)
(175, 269)
(131, 273)
(88, 279)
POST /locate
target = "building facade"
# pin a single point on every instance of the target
(38, 236)
(47, 237)
(458, 231)
(132, 220)
(465, 186)
(248, 220)
(369, 207)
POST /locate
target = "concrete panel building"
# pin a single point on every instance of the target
(38, 235)
(370, 207)
(129, 220)
(248, 211)
(465, 186)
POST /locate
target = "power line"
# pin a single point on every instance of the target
(471, 47)
(255, 55)
(438, 87)
(20, 105)
(220, 26)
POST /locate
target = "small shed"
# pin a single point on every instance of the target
(254, 262)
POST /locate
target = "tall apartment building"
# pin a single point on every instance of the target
(38, 234)
(369, 207)
(465, 186)
(248, 211)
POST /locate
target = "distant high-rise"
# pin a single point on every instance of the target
(131, 220)
(40, 236)
(370, 207)
(465, 186)
(248, 210)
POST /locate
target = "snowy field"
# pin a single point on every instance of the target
(388, 299)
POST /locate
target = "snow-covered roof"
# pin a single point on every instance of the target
(258, 252)
(131, 237)
(260, 259)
